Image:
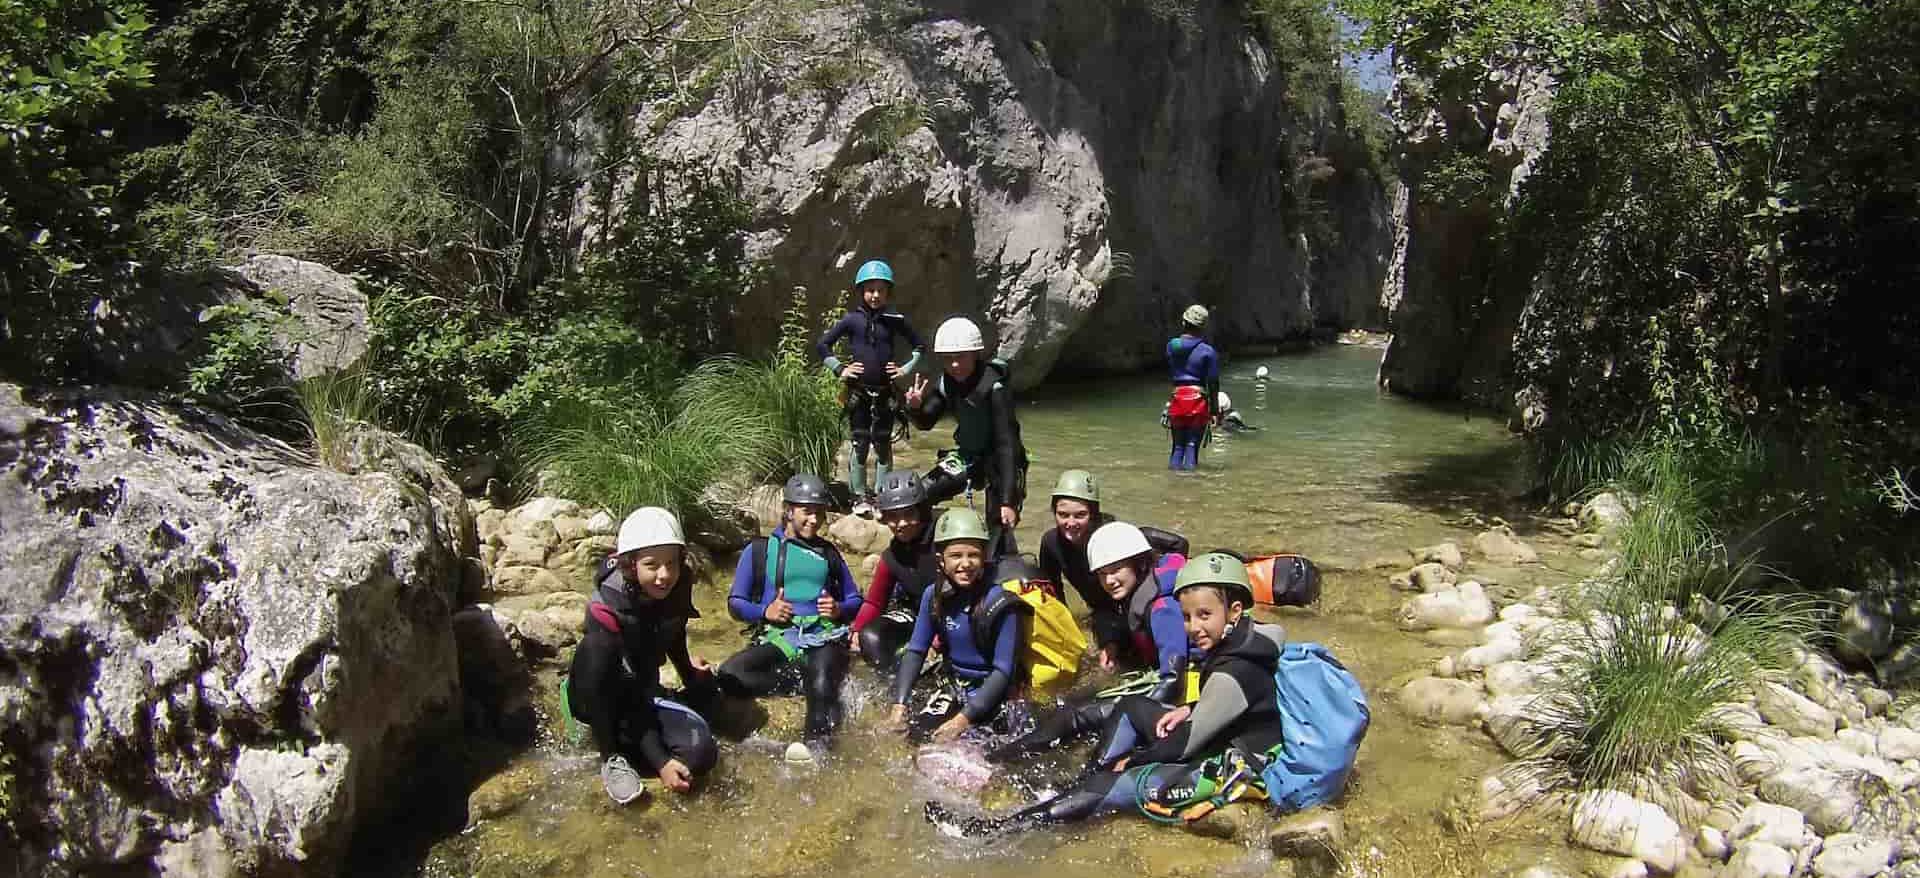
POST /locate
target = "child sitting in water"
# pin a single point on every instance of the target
(978, 628)
(1213, 747)
(1063, 558)
(642, 599)
(795, 589)
(907, 567)
(1139, 582)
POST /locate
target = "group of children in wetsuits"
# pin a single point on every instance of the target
(1197, 709)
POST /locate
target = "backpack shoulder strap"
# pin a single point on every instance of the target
(757, 552)
(997, 602)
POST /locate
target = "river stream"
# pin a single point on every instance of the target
(1338, 472)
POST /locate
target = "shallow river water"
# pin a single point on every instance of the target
(1338, 472)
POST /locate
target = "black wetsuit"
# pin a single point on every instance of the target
(1062, 562)
(614, 684)
(1238, 707)
(871, 336)
(986, 434)
(886, 618)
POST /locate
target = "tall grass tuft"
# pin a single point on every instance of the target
(626, 460)
(785, 405)
(332, 406)
(1640, 689)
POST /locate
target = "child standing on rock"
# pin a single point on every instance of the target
(870, 329)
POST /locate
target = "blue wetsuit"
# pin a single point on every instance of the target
(1191, 362)
(986, 672)
(764, 668)
(870, 334)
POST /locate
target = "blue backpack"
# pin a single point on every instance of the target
(1323, 716)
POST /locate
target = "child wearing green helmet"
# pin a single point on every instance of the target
(979, 632)
(871, 330)
(1210, 750)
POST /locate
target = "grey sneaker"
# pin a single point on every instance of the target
(622, 782)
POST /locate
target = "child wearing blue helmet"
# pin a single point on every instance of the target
(870, 329)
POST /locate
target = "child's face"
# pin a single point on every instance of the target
(803, 520)
(874, 293)
(963, 561)
(905, 523)
(1074, 518)
(1120, 579)
(960, 366)
(655, 570)
(1208, 615)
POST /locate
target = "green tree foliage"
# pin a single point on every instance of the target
(66, 244)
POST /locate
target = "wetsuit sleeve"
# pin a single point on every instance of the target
(1110, 624)
(850, 598)
(1222, 700)
(913, 342)
(1050, 567)
(1007, 452)
(1210, 374)
(677, 652)
(1006, 655)
(931, 407)
(737, 602)
(1169, 629)
(876, 601)
(824, 347)
(917, 646)
(1165, 542)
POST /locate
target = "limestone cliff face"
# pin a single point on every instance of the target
(1074, 171)
(1454, 298)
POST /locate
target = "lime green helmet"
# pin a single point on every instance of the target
(962, 524)
(1216, 569)
(1077, 484)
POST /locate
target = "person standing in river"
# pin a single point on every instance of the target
(1195, 370)
(636, 619)
(870, 329)
(979, 394)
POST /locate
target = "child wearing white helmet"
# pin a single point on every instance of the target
(1195, 370)
(636, 619)
(872, 331)
(1064, 550)
(1136, 581)
(990, 454)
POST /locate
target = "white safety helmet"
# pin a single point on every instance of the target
(958, 335)
(1195, 315)
(1226, 402)
(1115, 541)
(647, 527)
(1260, 373)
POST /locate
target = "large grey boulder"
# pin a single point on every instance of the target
(1073, 172)
(330, 325)
(215, 657)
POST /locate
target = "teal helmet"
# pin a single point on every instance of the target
(874, 269)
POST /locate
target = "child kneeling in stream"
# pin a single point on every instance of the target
(642, 599)
(1196, 756)
(907, 568)
(978, 624)
(796, 591)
